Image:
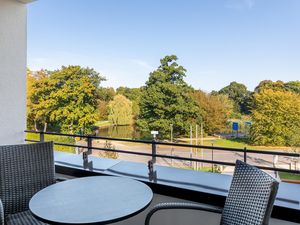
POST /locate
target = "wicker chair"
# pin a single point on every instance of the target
(250, 199)
(24, 170)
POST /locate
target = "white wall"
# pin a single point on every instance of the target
(12, 71)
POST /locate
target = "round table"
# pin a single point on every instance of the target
(90, 200)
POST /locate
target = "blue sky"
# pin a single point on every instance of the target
(217, 41)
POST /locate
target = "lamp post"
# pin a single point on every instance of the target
(197, 144)
(212, 154)
(154, 133)
(191, 142)
(172, 149)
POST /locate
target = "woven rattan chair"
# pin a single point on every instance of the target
(250, 199)
(24, 170)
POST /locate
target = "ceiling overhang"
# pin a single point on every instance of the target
(26, 1)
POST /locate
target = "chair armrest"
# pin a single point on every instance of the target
(1, 213)
(175, 205)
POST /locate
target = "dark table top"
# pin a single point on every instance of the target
(90, 200)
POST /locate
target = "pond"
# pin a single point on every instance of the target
(126, 132)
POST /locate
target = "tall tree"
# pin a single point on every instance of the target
(166, 100)
(120, 111)
(293, 86)
(39, 101)
(30, 113)
(106, 93)
(275, 116)
(215, 110)
(75, 98)
(105, 96)
(134, 95)
(268, 84)
(239, 94)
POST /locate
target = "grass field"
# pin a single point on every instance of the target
(103, 123)
(230, 143)
(240, 143)
(289, 176)
(59, 139)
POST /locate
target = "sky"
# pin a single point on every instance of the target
(217, 41)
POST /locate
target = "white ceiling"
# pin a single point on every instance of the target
(26, 1)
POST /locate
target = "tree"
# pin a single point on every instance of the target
(268, 84)
(134, 95)
(275, 117)
(106, 94)
(39, 101)
(75, 98)
(109, 154)
(294, 140)
(30, 113)
(166, 100)
(215, 110)
(120, 110)
(293, 86)
(239, 94)
(103, 110)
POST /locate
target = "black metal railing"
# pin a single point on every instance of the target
(154, 143)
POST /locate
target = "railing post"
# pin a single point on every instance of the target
(42, 136)
(90, 148)
(245, 155)
(153, 151)
(90, 145)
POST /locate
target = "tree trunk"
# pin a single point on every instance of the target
(35, 126)
(45, 126)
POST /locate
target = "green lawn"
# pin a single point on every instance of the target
(103, 123)
(240, 143)
(289, 176)
(230, 143)
(59, 139)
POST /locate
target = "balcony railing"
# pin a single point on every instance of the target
(154, 155)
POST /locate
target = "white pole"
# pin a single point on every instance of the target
(172, 142)
(191, 142)
(201, 142)
(197, 144)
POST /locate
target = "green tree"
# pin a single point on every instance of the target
(268, 84)
(293, 86)
(106, 93)
(120, 111)
(75, 98)
(294, 140)
(109, 154)
(215, 110)
(166, 100)
(275, 117)
(134, 95)
(239, 94)
(103, 110)
(105, 96)
(30, 113)
(39, 100)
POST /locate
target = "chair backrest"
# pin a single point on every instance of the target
(24, 170)
(251, 197)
